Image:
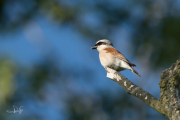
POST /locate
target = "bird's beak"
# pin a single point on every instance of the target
(94, 47)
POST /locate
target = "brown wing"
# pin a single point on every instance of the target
(119, 55)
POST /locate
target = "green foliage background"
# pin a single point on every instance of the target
(154, 31)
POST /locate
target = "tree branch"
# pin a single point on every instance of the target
(169, 102)
(134, 90)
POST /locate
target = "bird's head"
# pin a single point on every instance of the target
(102, 44)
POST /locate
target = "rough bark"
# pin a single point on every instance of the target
(169, 102)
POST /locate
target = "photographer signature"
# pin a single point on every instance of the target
(15, 110)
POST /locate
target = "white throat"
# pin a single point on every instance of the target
(102, 47)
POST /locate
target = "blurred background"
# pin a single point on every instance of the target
(47, 66)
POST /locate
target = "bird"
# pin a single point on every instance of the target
(112, 58)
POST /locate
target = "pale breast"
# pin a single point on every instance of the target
(106, 58)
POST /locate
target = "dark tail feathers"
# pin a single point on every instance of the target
(135, 72)
(132, 65)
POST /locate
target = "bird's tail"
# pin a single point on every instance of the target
(135, 72)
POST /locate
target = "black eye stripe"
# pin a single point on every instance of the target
(100, 43)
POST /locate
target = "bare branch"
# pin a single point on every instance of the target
(133, 89)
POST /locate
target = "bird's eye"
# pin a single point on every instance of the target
(100, 43)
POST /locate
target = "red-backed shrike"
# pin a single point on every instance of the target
(112, 58)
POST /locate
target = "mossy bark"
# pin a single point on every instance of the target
(169, 102)
(170, 92)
